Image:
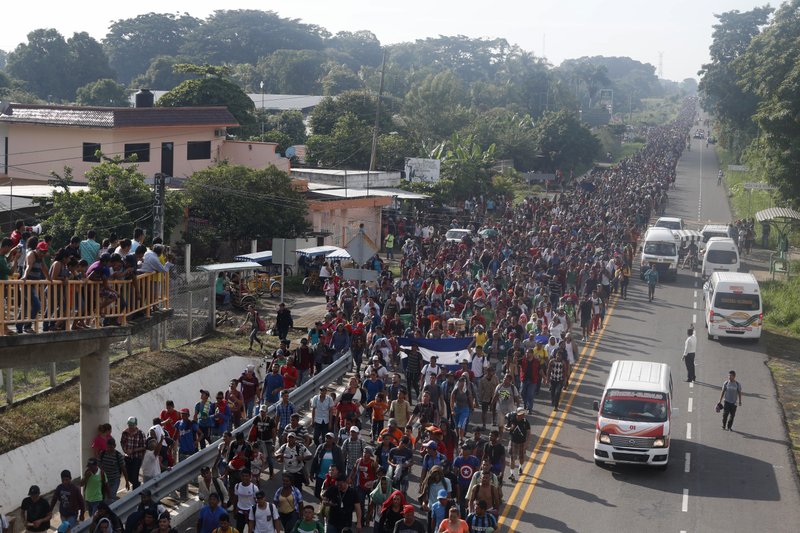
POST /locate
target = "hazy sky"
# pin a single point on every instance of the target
(562, 29)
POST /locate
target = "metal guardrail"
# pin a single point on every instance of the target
(187, 470)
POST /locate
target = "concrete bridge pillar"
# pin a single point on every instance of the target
(95, 389)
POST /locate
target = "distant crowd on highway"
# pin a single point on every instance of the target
(527, 284)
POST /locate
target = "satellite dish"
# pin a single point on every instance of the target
(4, 108)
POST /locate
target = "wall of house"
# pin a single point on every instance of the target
(37, 150)
(3, 137)
(254, 154)
(344, 223)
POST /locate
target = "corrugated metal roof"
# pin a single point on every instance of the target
(118, 117)
(688, 235)
(364, 193)
(282, 102)
(777, 212)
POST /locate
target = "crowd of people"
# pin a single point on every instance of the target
(525, 292)
(28, 256)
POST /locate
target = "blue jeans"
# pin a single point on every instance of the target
(529, 393)
(36, 306)
(113, 488)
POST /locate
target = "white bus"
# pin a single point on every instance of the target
(733, 306)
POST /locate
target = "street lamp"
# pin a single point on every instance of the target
(262, 107)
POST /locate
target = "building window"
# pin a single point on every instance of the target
(90, 152)
(198, 150)
(141, 150)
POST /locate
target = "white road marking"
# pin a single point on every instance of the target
(691, 385)
(695, 294)
(691, 401)
(687, 464)
(694, 305)
(688, 431)
(694, 318)
(685, 502)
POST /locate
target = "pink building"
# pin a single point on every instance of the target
(177, 141)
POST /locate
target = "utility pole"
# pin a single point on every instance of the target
(377, 117)
(262, 108)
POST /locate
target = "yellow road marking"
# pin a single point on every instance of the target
(554, 421)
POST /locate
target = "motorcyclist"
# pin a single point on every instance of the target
(691, 255)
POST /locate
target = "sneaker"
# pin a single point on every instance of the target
(519, 469)
(511, 478)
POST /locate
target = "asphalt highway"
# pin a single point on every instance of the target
(717, 480)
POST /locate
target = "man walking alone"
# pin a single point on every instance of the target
(731, 392)
(689, 348)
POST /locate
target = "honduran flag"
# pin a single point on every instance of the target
(449, 351)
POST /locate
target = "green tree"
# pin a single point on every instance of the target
(52, 67)
(274, 136)
(209, 91)
(43, 64)
(161, 73)
(466, 168)
(357, 49)
(105, 93)
(392, 151)
(720, 91)
(436, 108)
(242, 203)
(3, 58)
(292, 71)
(564, 142)
(514, 136)
(770, 70)
(340, 79)
(290, 123)
(348, 145)
(246, 35)
(117, 200)
(358, 103)
(133, 44)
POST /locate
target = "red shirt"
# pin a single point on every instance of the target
(345, 408)
(168, 421)
(367, 473)
(15, 237)
(290, 376)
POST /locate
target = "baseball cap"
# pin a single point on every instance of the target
(185, 411)
(42, 246)
(251, 367)
(34, 490)
(442, 494)
(330, 434)
(431, 444)
(520, 410)
(132, 421)
(291, 434)
(408, 509)
(369, 450)
(263, 409)
(354, 428)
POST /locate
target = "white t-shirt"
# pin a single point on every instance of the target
(246, 496)
(323, 409)
(292, 457)
(264, 518)
(151, 466)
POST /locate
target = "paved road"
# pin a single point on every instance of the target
(717, 480)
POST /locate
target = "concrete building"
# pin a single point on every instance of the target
(36, 140)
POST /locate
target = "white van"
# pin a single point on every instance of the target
(721, 255)
(733, 305)
(660, 250)
(634, 415)
(673, 223)
(716, 230)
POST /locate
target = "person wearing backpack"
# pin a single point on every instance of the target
(264, 516)
(112, 462)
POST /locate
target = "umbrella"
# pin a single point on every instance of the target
(488, 232)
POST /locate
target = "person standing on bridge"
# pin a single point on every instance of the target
(689, 348)
(731, 392)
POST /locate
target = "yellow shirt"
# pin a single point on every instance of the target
(481, 339)
(541, 353)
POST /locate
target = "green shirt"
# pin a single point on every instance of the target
(5, 270)
(94, 487)
(307, 527)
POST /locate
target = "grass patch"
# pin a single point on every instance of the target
(656, 111)
(131, 377)
(782, 304)
(784, 363)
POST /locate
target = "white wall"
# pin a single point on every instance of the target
(40, 462)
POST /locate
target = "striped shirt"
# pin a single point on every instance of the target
(353, 450)
(111, 463)
(284, 413)
(479, 524)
